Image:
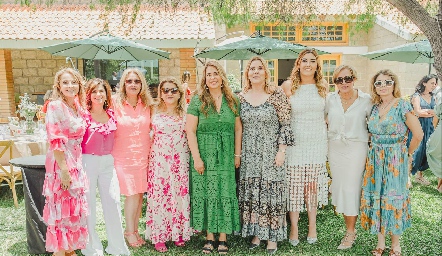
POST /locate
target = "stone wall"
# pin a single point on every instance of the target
(7, 105)
(170, 67)
(34, 71)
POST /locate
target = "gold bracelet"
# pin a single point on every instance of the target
(237, 155)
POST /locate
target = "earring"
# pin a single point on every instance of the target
(222, 85)
(207, 88)
(105, 105)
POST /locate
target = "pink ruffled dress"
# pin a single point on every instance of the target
(65, 211)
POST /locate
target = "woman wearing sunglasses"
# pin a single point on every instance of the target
(347, 111)
(168, 202)
(385, 201)
(214, 132)
(132, 146)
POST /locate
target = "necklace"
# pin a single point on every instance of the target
(346, 101)
(385, 106)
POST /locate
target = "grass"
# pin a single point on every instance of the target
(423, 238)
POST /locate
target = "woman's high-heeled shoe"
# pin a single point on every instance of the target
(136, 244)
(140, 240)
(348, 241)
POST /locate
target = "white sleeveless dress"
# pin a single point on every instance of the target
(307, 177)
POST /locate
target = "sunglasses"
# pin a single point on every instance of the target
(167, 90)
(387, 83)
(346, 79)
(130, 81)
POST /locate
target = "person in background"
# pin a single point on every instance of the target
(307, 180)
(132, 106)
(214, 134)
(185, 80)
(46, 99)
(423, 104)
(385, 200)
(168, 201)
(347, 111)
(65, 183)
(434, 146)
(98, 164)
(265, 114)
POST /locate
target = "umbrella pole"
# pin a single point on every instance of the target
(429, 69)
(241, 71)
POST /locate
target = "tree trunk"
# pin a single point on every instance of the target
(428, 25)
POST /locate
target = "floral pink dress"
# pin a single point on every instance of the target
(168, 202)
(65, 211)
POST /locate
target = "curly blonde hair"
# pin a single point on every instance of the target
(375, 98)
(295, 75)
(268, 88)
(56, 92)
(180, 108)
(206, 98)
(144, 94)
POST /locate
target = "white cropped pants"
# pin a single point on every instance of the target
(100, 172)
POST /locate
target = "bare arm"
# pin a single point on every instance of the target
(435, 121)
(238, 140)
(287, 88)
(61, 162)
(413, 124)
(418, 110)
(191, 126)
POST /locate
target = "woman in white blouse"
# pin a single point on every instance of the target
(347, 112)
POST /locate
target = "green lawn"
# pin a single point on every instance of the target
(423, 238)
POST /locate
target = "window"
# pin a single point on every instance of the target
(330, 33)
(329, 64)
(105, 68)
(273, 67)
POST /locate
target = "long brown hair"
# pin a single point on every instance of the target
(180, 108)
(268, 88)
(205, 96)
(375, 98)
(144, 94)
(91, 85)
(295, 75)
(57, 94)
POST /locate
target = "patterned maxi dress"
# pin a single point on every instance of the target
(65, 211)
(385, 201)
(214, 206)
(306, 159)
(168, 202)
(262, 193)
(420, 162)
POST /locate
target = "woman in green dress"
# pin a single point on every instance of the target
(214, 132)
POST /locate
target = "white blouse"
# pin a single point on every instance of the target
(350, 125)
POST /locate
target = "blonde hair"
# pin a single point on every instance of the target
(342, 67)
(376, 99)
(295, 75)
(180, 108)
(57, 94)
(206, 98)
(268, 88)
(144, 94)
(94, 83)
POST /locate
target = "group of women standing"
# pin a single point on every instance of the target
(185, 159)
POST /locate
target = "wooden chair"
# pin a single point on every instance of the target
(9, 173)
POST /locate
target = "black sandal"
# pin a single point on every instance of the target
(223, 251)
(208, 246)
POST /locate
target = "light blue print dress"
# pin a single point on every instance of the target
(385, 200)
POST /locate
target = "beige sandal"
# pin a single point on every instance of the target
(377, 251)
(348, 239)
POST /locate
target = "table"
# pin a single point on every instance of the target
(33, 178)
(25, 145)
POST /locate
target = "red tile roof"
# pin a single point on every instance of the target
(67, 22)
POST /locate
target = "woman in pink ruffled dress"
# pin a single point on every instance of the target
(65, 183)
(168, 202)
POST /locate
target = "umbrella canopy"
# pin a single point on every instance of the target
(106, 47)
(243, 48)
(418, 52)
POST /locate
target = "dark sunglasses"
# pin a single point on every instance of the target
(387, 83)
(130, 81)
(346, 79)
(167, 90)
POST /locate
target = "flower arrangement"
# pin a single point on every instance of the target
(27, 109)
